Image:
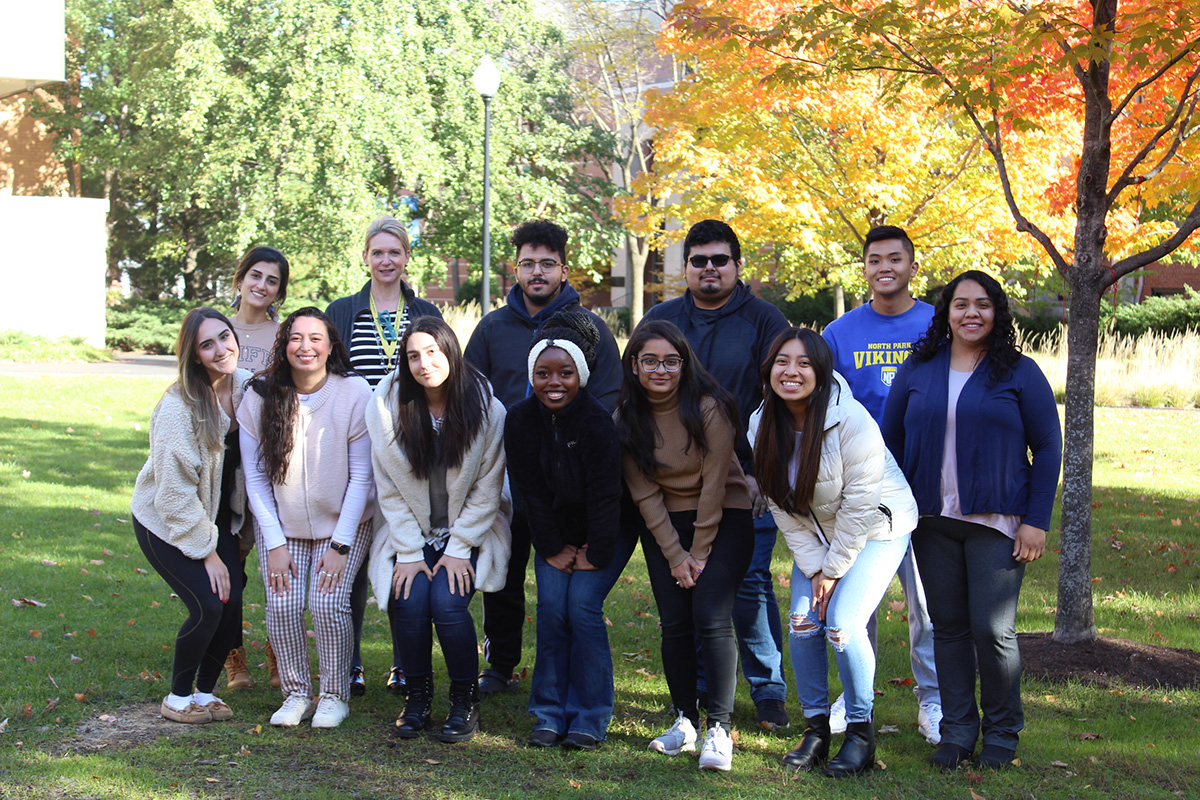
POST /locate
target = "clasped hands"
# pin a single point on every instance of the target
(570, 559)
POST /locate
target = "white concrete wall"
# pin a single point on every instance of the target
(52, 266)
(31, 52)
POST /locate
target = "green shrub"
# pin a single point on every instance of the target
(1035, 329)
(24, 347)
(617, 320)
(150, 325)
(1166, 315)
(803, 310)
(469, 291)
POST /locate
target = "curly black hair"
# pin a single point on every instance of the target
(540, 233)
(575, 326)
(1003, 353)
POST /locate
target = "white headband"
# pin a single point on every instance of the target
(571, 349)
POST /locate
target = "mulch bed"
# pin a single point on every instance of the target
(1107, 662)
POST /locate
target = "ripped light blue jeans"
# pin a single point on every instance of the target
(855, 596)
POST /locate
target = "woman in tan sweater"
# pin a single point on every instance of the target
(677, 429)
(308, 476)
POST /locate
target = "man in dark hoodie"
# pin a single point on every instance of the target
(499, 348)
(731, 331)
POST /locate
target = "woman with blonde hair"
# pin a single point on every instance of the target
(188, 505)
(371, 324)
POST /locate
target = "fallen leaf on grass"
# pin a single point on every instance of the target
(901, 681)
(47, 562)
(433, 761)
(574, 783)
(31, 659)
(25, 601)
(141, 571)
(880, 765)
(975, 795)
(91, 632)
(80, 696)
(35, 634)
(50, 705)
(155, 604)
(884, 730)
(645, 673)
(213, 780)
(4, 725)
(1090, 736)
(1060, 764)
(106, 718)
(896, 605)
(27, 710)
(96, 562)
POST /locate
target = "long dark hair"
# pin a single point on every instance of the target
(774, 446)
(467, 404)
(636, 428)
(194, 385)
(275, 385)
(1003, 353)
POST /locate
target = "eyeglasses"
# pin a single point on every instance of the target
(546, 264)
(670, 363)
(719, 260)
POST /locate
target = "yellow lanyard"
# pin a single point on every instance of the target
(389, 346)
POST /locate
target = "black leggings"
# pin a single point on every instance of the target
(211, 629)
(704, 612)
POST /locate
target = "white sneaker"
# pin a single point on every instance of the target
(681, 737)
(929, 722)
(295, 709)
(717, 752)
(331, 710)
(837, 715)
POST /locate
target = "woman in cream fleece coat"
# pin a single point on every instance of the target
(437, 445)
(847, 513)
(188, 507)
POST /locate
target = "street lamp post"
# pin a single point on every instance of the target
(487, 82)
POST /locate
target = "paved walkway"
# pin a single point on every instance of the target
(137, 366)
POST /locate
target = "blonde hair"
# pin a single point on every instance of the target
(194, 386)
(387, 224)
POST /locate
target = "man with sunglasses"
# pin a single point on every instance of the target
(499, 348)
(731, 330)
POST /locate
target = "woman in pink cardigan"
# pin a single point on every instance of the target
(308, 477)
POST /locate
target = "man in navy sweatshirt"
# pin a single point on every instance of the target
(731, 331)
(499, 348)
(868, 344)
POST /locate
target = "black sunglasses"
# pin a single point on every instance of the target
(719, 260)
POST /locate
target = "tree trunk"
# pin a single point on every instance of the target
(839, 301)
(1074, 620)
(191, 271)
(113, 254)
(636, 283)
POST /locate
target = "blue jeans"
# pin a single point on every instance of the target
(973, 604)
(431, 604)
(920, 632)
(855, 596)
(572, 689)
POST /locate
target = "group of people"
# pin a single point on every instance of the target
(364, 444)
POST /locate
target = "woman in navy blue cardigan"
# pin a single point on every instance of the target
(963, 415)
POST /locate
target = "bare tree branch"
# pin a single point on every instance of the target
(1158, 252)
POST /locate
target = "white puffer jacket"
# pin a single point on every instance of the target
(861, 494)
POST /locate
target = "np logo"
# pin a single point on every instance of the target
(887, 375)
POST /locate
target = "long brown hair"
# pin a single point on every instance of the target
(277, 427)
(271, 256)
(636, 429)
(467, 404)
(194, 385)
(774, 446)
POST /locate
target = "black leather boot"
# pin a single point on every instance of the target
(857, 754)
(463, 720)
(813, 750)
(416, 716)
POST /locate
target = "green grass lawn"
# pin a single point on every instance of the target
(82, 674)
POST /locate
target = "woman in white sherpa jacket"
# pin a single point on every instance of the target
(846, 512)
(189, 503)
(437, 445)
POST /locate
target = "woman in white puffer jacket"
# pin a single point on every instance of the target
(845, 510)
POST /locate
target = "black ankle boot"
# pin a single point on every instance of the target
(415, 718)
(813, 750)
(463, 720)
(858, 751)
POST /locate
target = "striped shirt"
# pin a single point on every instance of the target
(366, 353)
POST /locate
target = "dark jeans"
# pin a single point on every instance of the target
(704, 612)
(504, 611)
(430, 604)
(212, 628)
(973, 605)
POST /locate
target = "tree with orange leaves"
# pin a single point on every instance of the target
(804, 171)
(1116, 197)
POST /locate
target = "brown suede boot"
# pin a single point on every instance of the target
(273, 668)
(236, 669)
